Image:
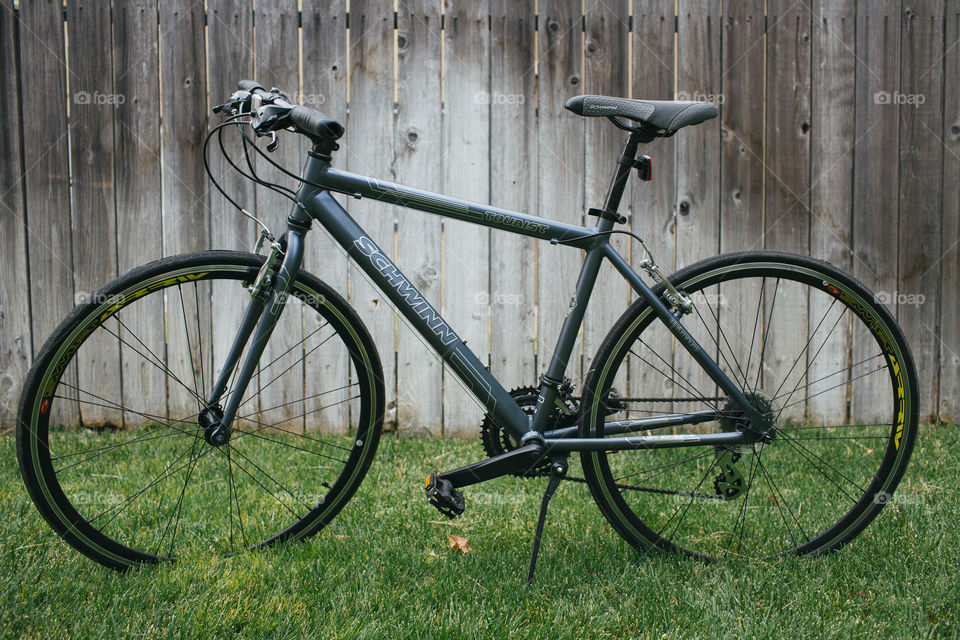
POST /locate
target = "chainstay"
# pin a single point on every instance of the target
(634, 487)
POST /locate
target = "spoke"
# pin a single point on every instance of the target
(178, 507)
(766, 334)
(305, 413)
(806, 349)
(836, 426)
(685, 506)
(166, 473)
(193, 367)
(778, 496)
(307, 337)
(808, 455)
(103, 450)
(316, 453)
(663, 468)
(842, 384)
(310, 397)
(756, 322)
(236, 500)
(301, 359)
(196, 304)
(269, 477)
(717, 343)
(742, 515)
(158, 365)
(689, 388)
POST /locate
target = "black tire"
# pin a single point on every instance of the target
(844, 432)
(108, 400)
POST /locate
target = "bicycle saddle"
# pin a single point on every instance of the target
(666, 116)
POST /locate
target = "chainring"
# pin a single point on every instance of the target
(497, 441)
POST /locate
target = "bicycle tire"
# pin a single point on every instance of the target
(798, 478)
(327, 467)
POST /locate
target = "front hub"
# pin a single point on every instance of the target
(214, 431)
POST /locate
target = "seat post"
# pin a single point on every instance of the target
(620, 176)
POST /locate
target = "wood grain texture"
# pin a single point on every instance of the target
(653, 204)
(417, 141)
(560, 168)
(699, 74)
(15, 338)
(46, 168)
(921, 157)
(949, 392)
(138, 193)
(466, 174)
(833, 83)
(367, 149)
(281, 372)
(796, 335)
(513, 185)
(324, 84)
(607, 61)
(93, 207)
(875, 183)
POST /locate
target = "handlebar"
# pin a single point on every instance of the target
(272, 111)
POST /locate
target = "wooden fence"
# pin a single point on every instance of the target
(838, 137)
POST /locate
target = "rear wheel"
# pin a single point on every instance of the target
(812, 349)
(111, 434)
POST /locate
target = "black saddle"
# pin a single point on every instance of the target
(663, 117)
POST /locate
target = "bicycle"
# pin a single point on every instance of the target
(740, 449)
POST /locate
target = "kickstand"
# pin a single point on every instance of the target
(558, 469)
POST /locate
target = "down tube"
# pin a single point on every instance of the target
(419, 312)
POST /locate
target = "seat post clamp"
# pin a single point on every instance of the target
(607, 215)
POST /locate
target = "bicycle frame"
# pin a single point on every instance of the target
(315, 202)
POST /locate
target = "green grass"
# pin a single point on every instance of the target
(383, 569)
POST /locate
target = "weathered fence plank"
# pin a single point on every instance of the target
(653, 204)
(46, 167)
(281, 374)
(921, 157)
(560, 166)
(794, 337)
(949, 393)
(367, 149)
(325, 86)
(94, 240)
(466, 174)
(607, 62)
(833, 83)
(875, 182)
(15, 339)
(416, 162)
(138, 192)
(699, 74)
(513, 185)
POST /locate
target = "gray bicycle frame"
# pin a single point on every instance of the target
(315, 202)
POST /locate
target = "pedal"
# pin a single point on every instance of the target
(443, 496)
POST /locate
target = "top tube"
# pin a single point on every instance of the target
(320, 172)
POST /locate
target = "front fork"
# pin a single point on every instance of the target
(268, 296)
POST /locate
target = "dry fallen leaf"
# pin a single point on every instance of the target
(459, 543)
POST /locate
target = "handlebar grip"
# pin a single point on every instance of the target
(315, 124)
(250, 85)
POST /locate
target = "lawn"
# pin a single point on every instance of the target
(384, 569)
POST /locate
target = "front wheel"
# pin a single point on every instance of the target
(811, 348)
(111, 436)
